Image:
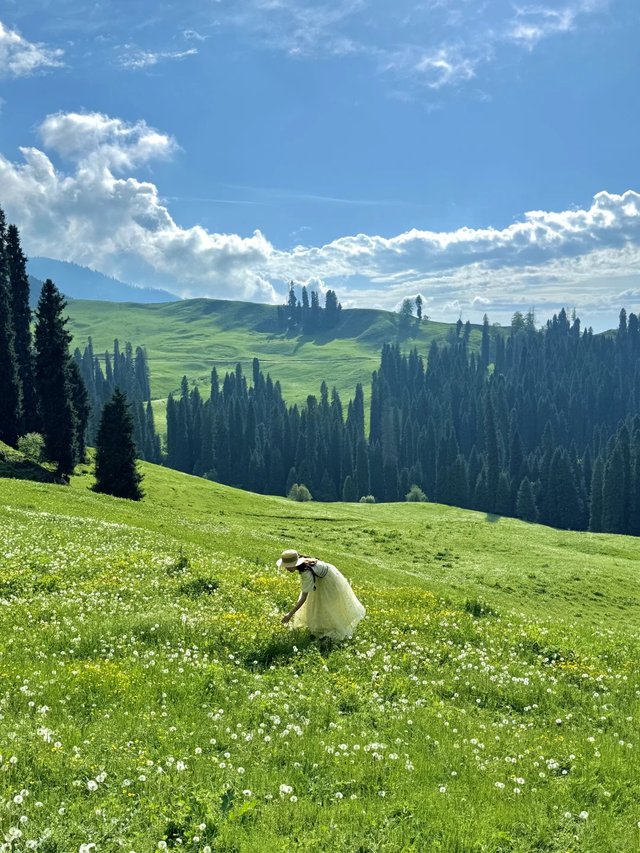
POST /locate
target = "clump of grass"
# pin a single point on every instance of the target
(198, 586)
(180, 565)
(478, 608)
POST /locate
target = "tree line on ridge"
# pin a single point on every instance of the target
(542, 424)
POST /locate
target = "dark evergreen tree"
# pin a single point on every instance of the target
(362, 480)
(597, 482)
(10, 385)
(526, 508)
(493, 460)
(21, 318)
(503, 495)
(634, 497)
(116, 468)
(81, 409)
(349, 491)
(55, 394)
(486, 344)
(419, 308)
(613, 492)
(332, 309)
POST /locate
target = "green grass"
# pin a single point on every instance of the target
(190, 337)
(151, 696)
(16, 465)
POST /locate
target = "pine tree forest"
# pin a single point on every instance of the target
(541, 424)
(127, 371)
(44, 388)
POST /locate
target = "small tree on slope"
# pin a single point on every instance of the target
(116, 470)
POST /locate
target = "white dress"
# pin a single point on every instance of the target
(331, 609)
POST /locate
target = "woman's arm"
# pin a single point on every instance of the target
(288, 616)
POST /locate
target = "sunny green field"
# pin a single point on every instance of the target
(151, 699)
(192, 336)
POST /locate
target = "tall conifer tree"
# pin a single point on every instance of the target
(52, 379)
(21, 317)
(116, 468)
(10, 386)
(613, 508)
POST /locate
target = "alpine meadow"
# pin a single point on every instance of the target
(319, 427)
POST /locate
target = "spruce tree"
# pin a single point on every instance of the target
(81, 409)
(526, 508)
(362, 483)
(613, 507)
(485, 345)
(10, 386)
(503, 495)
(597, 478)
(493, 460)
(349, 491)
(116, 468)
(634, 505)
(21, 317)
(52, 379)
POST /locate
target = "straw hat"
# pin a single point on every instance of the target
(290, 559)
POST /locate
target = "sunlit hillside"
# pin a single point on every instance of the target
(153, 700)
(192, 336)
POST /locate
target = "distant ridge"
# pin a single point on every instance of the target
(35, 286)
(79, 282)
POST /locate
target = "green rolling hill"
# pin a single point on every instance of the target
(152, 700)
(191, 336)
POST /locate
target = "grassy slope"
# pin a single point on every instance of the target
(191, 337)
(136, 667)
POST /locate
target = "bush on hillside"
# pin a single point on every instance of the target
(299, 492)
(367, 499)
(32, 446)
(416, 495)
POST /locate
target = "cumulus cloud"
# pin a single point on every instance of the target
(91, 215)
(97, 211)
(20, 58)
(97, 139)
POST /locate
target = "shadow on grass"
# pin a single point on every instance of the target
(25, 469)
(492, 517)
(281, 648)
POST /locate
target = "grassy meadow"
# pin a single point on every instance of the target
(151, 699)
(192, 336)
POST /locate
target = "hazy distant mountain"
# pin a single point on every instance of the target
(34, 290)
(79, 282)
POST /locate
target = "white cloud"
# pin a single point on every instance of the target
(97, 139)
(436, 68)
(20, 58)
(119, 224)
(531, 24)
(430, 45)
(97, 212)
(298, 27)
(135, 60)
(193, 35)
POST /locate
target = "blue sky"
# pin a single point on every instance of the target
(483, 154)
